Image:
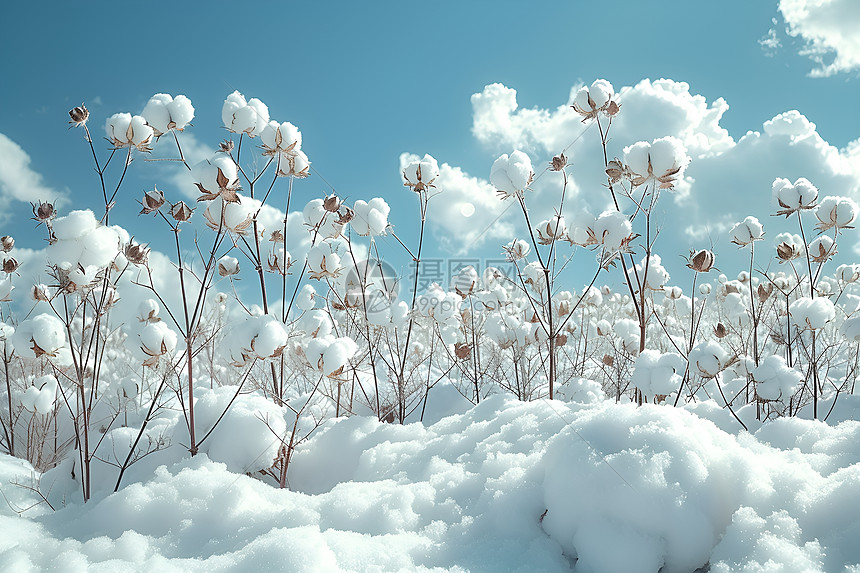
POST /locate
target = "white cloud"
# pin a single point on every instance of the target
(18, 181)
(726, 181)
(829, 30)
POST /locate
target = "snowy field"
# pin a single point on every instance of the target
(503, 486)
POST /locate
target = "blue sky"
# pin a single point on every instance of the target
(366, 82)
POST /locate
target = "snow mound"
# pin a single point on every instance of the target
(504, 486)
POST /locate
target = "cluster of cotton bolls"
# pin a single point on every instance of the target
(443, 308)
(41, 396)
(791, 197)
(81, 247)
(662, 160)
(707, 359)
(256, 338)
(370, 217)
(161, 114)
(150, 339)
(511, 174)
(656, 373)
(775, 380)
(319, 348)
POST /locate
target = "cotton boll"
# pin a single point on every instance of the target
(812, 313)
(838, 212)
(6, 288)
(370, 218)
(281, 137)
(851, 328)
(141, 133)
(315, 323)
(335, 358)
(611, 229)
(47, 396)
(707, 359)
(399, 313)
(790, 197)
(156, 113)
(249, 117)
(418, 174)
(636, 158)
(48, 332)
(181, 112)
(667, 156)
(747, 231)
(270, 337)
(306, 298)
(775, 380)
(511, 174)
(314, 212)
(147, 310)
(157, 339)
(116, 128)
(628, 332)
(101, 246)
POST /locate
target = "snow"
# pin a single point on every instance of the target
(504, 486)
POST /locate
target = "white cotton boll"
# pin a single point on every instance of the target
(228, 265)
(83, 276)
(234, 102)
(551, 229)
(140, 131)
(791, 197)
(636, 157)
(848, 273)
(775, 380)
(578, 226)
(147, 310)
(512, 173)
(122, 235)
(705, 289)
(822, 248)
(667, 155)
(581, 99)
(611, 229)
(812, 313)
(270, 336)
(75, 225)
(116, 128)
(747, 231)
(29, 398)
(48, 332)
(6, 288)
(181, 111)
(656, 373)
(315, 323)
(837, 212)
(628, 332)
(707, 359)
(421, 172)
(592, 296)
(370, 218)
(156, 338)
(336, 357)
(734, 306)
(601, 92)
(47, 395)
(314, 212)
(657, 273)
(322, 261)
(851, 328)
(306, 298)
(281, 137)
(603, 327)
(156, 112)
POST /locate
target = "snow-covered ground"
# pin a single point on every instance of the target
(504, 486)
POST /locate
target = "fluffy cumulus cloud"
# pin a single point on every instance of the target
(18, 181)
(727, 179)
(829, 31)
(467, 212)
